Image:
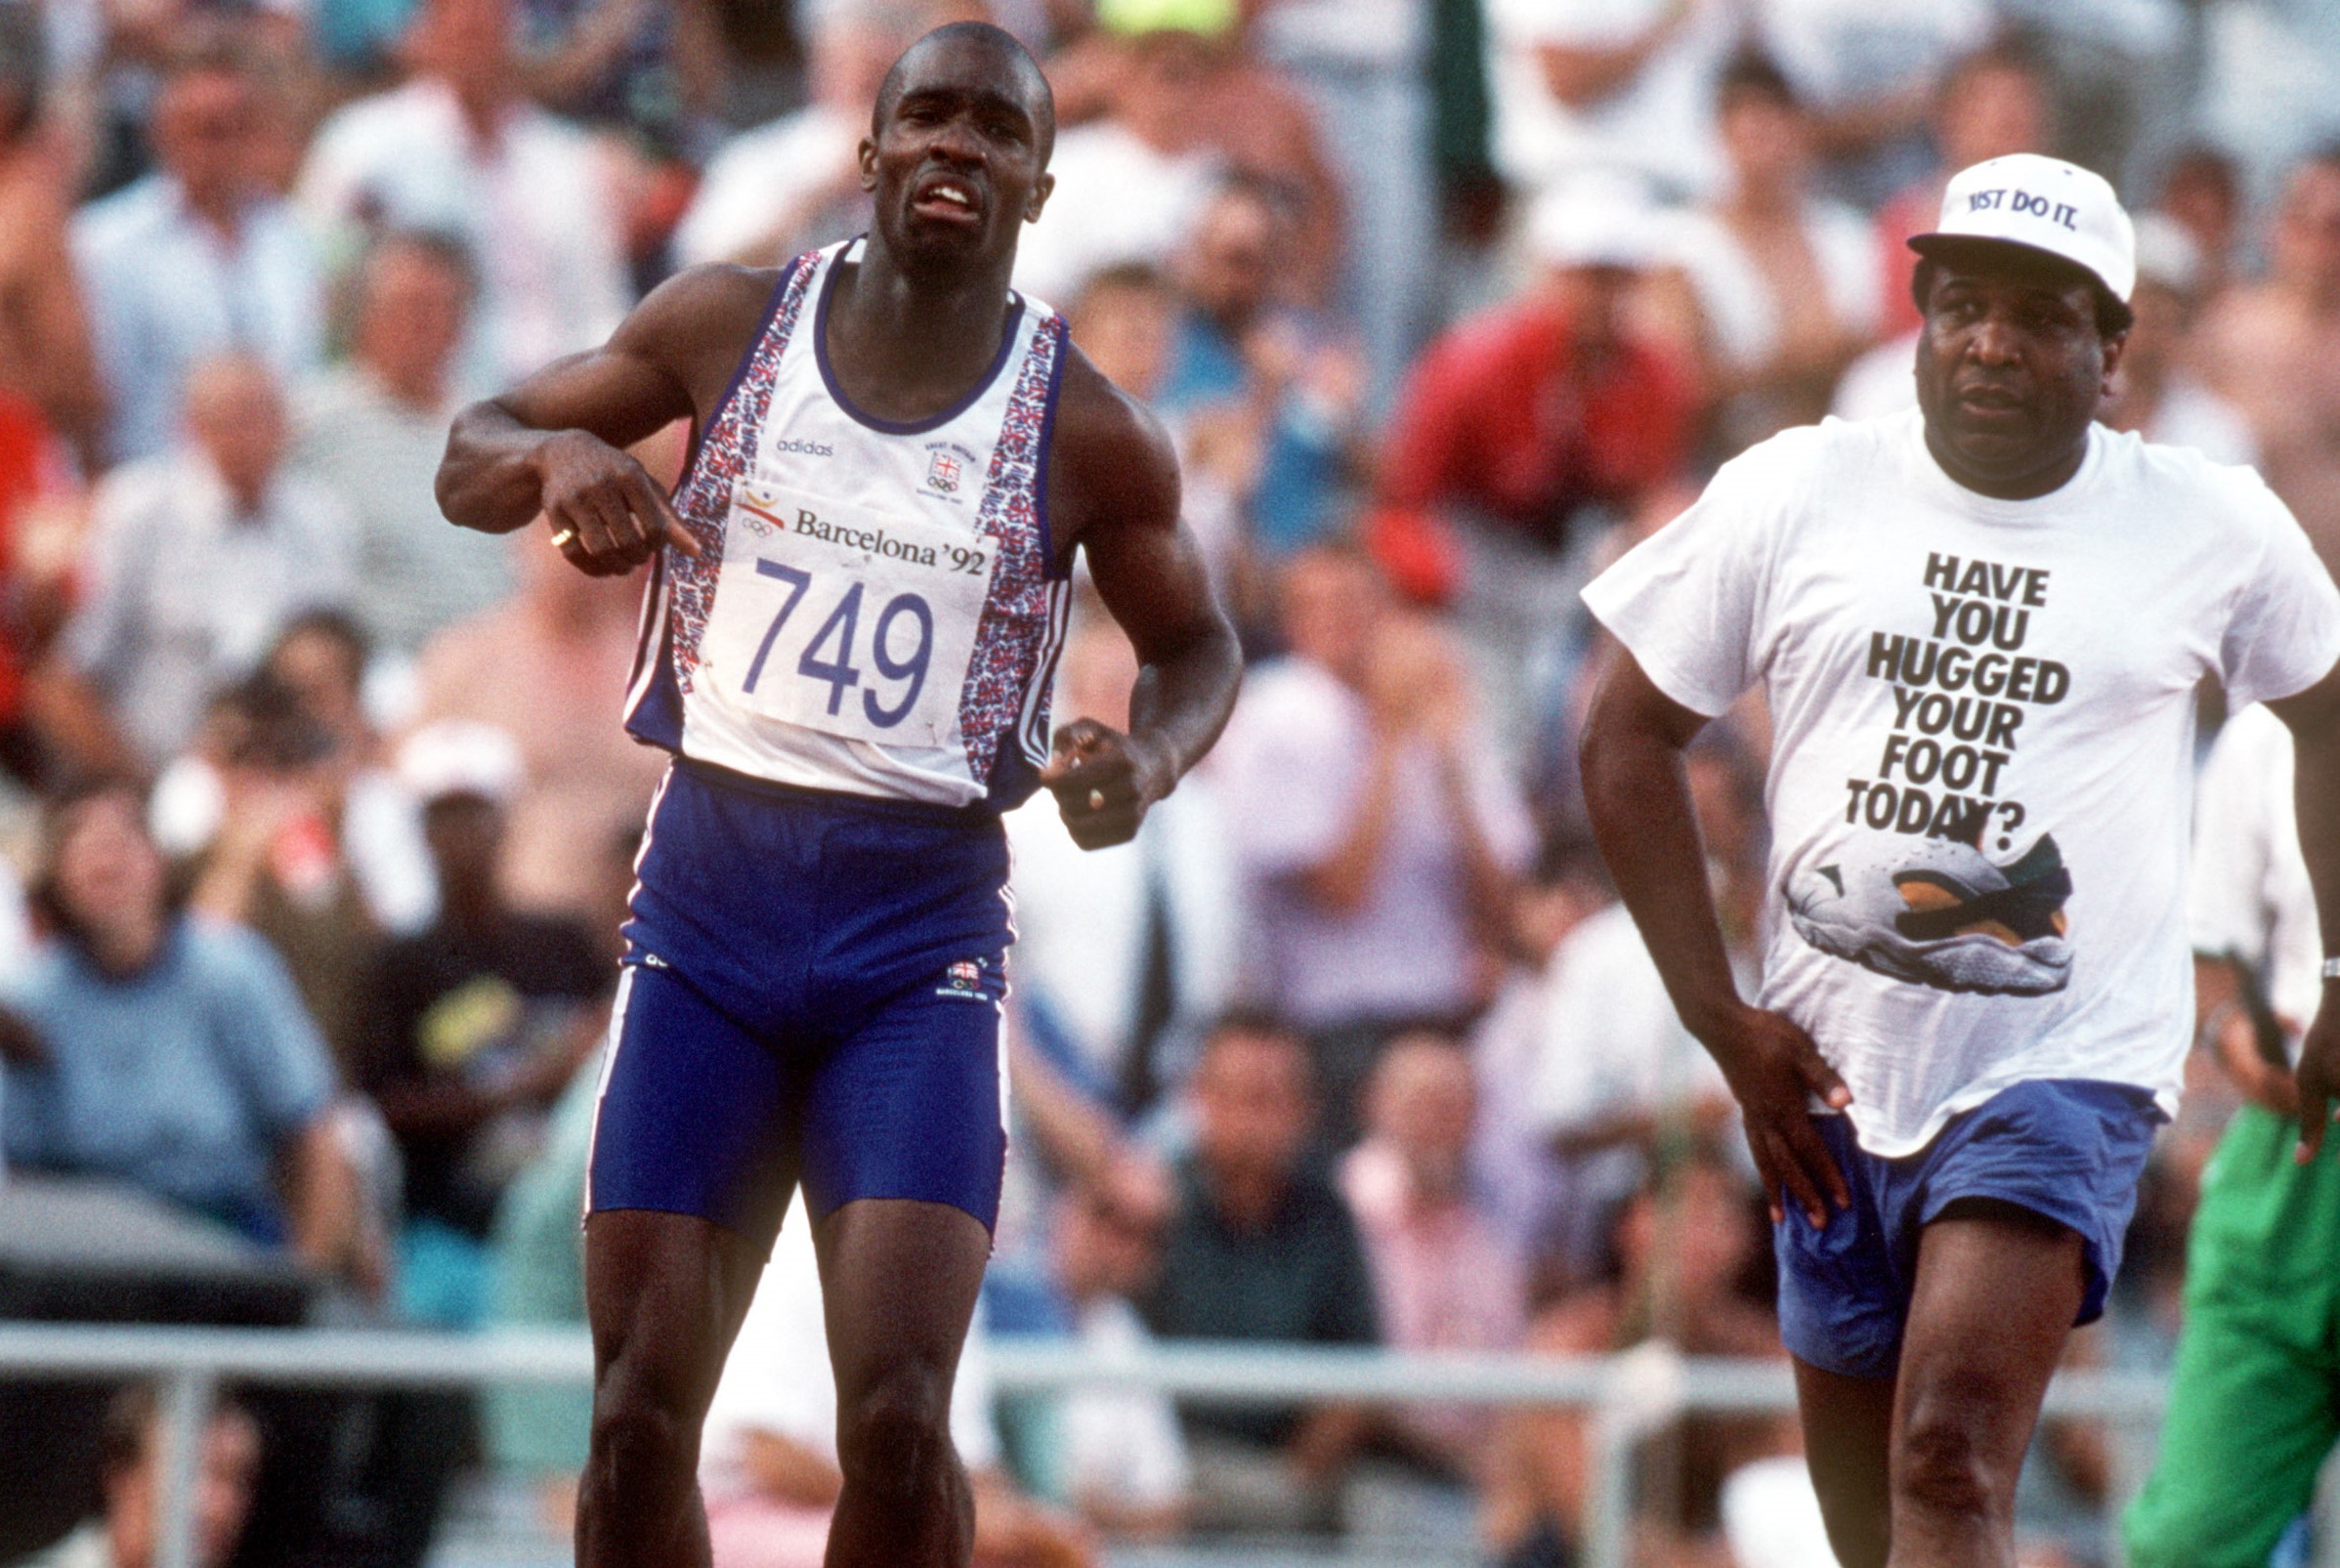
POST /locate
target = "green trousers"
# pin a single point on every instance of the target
(2255, 1406)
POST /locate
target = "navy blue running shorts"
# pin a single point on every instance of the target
(2071, 1151)
(811, 998)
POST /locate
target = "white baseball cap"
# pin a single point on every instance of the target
(2043, 204)
(1596, 222)
(461, 757)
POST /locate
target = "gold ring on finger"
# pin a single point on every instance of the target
(560, 540)
(1096, 800)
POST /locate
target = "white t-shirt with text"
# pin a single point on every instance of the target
(1984, 722)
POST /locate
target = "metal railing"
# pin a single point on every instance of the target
(1628, 1395)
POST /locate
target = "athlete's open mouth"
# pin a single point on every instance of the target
(948, 196)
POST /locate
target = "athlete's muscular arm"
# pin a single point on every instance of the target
(2313, 717)
(553, 443)
(1113, 492)
(1638, 798)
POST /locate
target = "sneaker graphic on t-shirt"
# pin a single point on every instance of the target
(1938, 913)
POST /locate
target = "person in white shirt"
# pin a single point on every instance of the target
(371, 430)
(196, 561)
(458, 151)
(196, 259)
(1979, 629)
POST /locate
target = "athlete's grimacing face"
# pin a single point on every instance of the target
(959, 159)
(2011, 367)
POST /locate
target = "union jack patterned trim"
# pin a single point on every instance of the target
(1022, 619)
(726, 449)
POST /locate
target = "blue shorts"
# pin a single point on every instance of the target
(2068, 1150)
(811, 997)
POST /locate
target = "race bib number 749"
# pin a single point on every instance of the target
(842, 622)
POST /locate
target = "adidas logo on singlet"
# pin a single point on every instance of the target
(805, 448)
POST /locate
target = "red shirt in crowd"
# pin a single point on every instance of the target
(1502, 418)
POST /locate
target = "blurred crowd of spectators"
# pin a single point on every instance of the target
(319, 818)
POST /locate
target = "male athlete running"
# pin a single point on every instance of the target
(1980, 627)
(861, 587)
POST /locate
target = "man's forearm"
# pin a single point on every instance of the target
(2316, 790)
(1182, 699)
(1638, 798)
(490, 480)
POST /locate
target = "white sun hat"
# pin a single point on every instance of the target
(2043, 204)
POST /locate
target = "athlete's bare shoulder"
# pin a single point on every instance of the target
(1112, 464)
(698, 322)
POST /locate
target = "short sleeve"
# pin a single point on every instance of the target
(1687, 601)
(2283, 635)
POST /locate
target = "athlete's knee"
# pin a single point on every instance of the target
(644, 1434)
(895, 1433)
(1951, 1460)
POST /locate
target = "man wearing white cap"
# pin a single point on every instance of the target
(1978, 625)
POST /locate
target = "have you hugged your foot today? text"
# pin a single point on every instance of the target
(1962, 692)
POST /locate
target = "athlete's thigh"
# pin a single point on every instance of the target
(1996, 1293)
(908, 1104)
(898, 1283)
(2252, 1416)
(664, 1294)
(696, 1115)
(1848, 1440)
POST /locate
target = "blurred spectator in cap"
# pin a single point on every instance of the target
(1262, 1249)
(1442, 1274)
(1376, 833)
(176, 1053)
(128, 1533)
(372, 428)
(196, 561)
(563, 645)
(1270, 394)
(1625, 88)
(1783, 283)
(2155, 393)
(783, 188)
(1525, 428)
(1994, 101)
(2273, 349)
(458, 150)
(199, 259)
(473, 1027)
(1522, 416)
(46, 360)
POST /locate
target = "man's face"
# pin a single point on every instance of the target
(1334, 607)
(957, 162)
(205, 130)
(1231, 270)
(1990, 112)
(412, 314)
(1251, 1106)
(2010, 371)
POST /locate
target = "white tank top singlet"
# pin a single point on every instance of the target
(876, 610)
